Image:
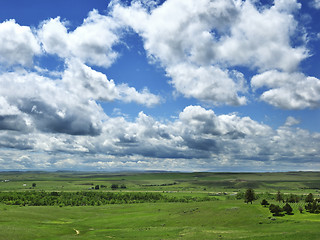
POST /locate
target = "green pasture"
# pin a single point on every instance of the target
(223, 218)
(289, 182)
(230, 219)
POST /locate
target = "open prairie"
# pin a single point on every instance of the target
(212, 207)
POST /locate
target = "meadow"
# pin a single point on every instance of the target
(221, 216)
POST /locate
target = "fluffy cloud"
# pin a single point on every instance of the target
(262, 38)
(288, 90)
(67, 103)
(55, 118)
(31, 101)
(18, 45)
(91, 42)
(200, 42)
(315, 4)
(45, 105)
(197, 139)
(291, 121)
(200, 120)
(185, 47)
(83, 80)
(208, 83)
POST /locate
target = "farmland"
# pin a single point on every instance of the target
(206, 206)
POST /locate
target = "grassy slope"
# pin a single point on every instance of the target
(224, 219)
(296, 182)
(206, 220)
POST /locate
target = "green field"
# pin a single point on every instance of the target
(223, 217)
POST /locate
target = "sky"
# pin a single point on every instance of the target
(206, 85)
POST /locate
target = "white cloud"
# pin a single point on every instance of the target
(262, 38)
(198, 139)
(130, 94)
(90, 84)
(91, 42)
(18, 45)
(185, 47)
(208, 83)
(45, 105)
(199, 42)
(83, 80)
(7, 109)
(288, 90)
(291, 121)
(201, 121)
(31, 102)
(315, 4)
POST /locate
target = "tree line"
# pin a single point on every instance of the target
(41, 198)
(312, 204)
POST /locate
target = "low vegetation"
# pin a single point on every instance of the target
(33, 198)
(68, 205)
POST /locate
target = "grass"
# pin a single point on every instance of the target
(295, 182)
(205, 220)
(221, 219)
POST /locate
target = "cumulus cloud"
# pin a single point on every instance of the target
(45, 105)
(31, 101)
(91, 42)
(262, 38)
(82, 80)
(198, 138)
(288, 90)
(208, 83)
(185, 47)
(291, 121)
(315, 4)
(202, 45)
(18, 45)
(205, 121)
(200, 42)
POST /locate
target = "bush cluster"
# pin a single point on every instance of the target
(278, 211)
(41, 198)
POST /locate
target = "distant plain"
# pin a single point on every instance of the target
(223, 216)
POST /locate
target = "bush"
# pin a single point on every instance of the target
(313, 207)
(276, 210)
(114, 186)
(288, 209)
(264, 202)
(309, 198)
(249, 196)
(93, 198)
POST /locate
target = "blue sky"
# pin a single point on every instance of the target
(160, 85)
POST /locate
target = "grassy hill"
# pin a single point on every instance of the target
(224, 218)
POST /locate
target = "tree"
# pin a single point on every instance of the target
(276, 210)
(34, 184)
(97, 187)
(114, 186)
(249, 195)
(309, 198)
(123, 186)
(287, 208)
(293, 198)
(264, 202)
(279, 197)
(240, 195)
(313, 207)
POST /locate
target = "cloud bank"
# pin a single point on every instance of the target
(53, 119)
